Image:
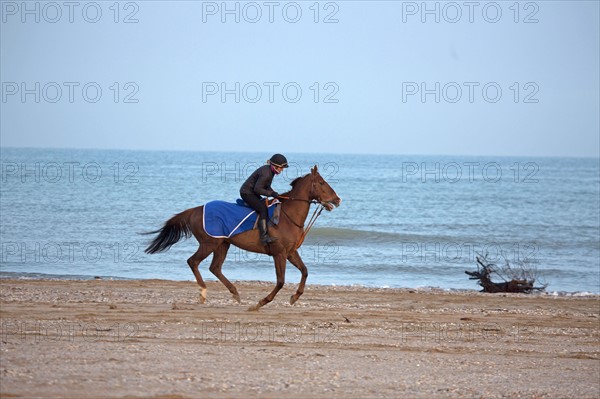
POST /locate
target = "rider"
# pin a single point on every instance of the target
(258, 184)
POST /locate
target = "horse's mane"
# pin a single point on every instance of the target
(296, 180)
(293, 184)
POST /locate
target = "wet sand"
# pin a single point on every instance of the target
(153, 339)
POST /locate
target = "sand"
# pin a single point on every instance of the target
(153, 339)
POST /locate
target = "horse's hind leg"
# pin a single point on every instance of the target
(295, 260)
(216, 265)
(280, 271)
(194, 262)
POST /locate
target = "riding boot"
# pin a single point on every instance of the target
(264, 235)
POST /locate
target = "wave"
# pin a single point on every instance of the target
(346, 236)
(342, 235)
(490, 242)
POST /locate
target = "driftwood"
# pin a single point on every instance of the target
(523, 278)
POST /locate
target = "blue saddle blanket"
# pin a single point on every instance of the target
(225, 219)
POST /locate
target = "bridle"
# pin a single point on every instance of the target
(312, 220)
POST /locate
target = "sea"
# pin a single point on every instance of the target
(405, 221)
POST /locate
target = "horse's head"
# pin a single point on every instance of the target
(321, 191)
(316, 188)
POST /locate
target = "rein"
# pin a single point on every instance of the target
(298, 199)
(311, 222)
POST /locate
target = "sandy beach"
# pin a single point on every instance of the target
(153, 339)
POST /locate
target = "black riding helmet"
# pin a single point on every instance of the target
(278, 160)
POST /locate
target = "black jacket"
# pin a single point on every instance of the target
(259, 182)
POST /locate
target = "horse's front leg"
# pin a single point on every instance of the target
(280, 271)
(296, 260)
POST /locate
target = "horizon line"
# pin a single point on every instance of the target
(301, 152)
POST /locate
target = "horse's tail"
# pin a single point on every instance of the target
(173, 230)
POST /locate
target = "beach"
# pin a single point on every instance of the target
(153, 339)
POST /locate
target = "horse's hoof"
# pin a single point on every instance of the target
(202, 299)
(202, 295)
(293, 299)
(254, 308)
(237, 298)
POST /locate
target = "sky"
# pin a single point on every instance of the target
(392, 77)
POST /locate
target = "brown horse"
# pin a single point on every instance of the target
(289, 232)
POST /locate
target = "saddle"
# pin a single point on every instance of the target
(224, 219)
(274, 219)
